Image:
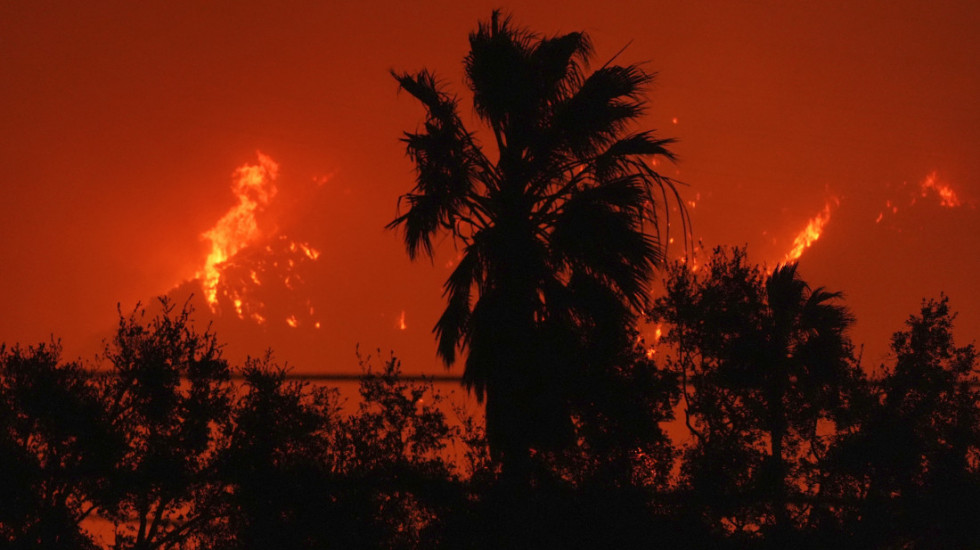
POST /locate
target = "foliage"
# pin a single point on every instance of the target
(275, 466)
(393, 453)
(559, 235)
(913, 464)
(764, 360)
(170, 440)
(55, 448)
(166, 396)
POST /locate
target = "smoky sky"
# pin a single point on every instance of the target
(123, 125)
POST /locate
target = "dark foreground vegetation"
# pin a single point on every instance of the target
(788, 442)
(779, 437)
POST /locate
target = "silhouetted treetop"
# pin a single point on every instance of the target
(559, 234)
(763, 358)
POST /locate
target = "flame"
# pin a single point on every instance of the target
(269, 281)
(248, 261)
(947, 197)
(929, 186)
(401, 321)
(657, 334)
(811, 233)
(654, 337)
(254, 186)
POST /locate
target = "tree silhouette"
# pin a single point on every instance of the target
(555, 235)
(392, 452)
(300, 473)
(913, 464)
(792, 446)
(276, 464)
(167, 397)
(55, 449)
(806, 364)
(767, 358)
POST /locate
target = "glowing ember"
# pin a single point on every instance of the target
(947, 197)
(657, 334)
(931, 185)
(811, 233)
(254, 186)
(269, 282)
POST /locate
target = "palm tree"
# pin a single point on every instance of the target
(559, 236)
(807, 360)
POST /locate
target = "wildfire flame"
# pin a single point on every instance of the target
(651, 350)
(947, 197)
(811, 233)
(246, 260)
(254, 186)
(930, 185)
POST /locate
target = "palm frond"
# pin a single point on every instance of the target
(560, 62)
(424, 87)
(612, 161)
(590, 234)
(607, 101)
(498, 72)
(448, 166)
(452, 326)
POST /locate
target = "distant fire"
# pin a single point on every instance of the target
(930, 186)
(254, 187)
(248, 261)
(947, 197)
(655, 337)
(811, 233)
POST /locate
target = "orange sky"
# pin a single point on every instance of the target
(122, 126)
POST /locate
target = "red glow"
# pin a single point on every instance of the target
(116, 157)
(947, 197)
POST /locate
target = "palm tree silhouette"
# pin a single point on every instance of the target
(806, 357)
(559, 236)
